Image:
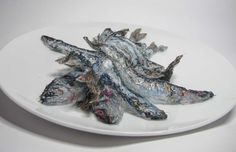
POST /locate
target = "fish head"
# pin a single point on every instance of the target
(194, 96)
(60, 92)
(109, 108)
(50, 42)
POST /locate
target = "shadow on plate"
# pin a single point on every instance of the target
(27, 122)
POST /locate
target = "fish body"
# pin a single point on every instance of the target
(134, 103)
(75, 56)
(109, 107)
(61, 46)
(154, 89)
(118, 46)
(160, 91)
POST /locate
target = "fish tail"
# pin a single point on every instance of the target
(169, 70)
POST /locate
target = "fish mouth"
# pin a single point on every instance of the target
(48, 41)
(45, 38)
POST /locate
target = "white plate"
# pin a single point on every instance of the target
(27, 66)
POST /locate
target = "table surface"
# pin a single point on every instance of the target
(212, 22)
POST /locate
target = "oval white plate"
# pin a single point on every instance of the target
(27, 66)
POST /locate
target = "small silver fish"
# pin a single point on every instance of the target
(134, 104)
(154, 89)
(108, 108)
(160, 91)
(64, 90)
(117, 46)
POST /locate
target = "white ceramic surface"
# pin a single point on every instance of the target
(27, 66)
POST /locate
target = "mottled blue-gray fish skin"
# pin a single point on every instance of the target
(118, 46)
(150, 88)
(64, 90)
(131, 50)
(159, 91)
(108, 108)
(123, 84)
(134, 103)
(61, 46)
(154, 89)
(81, 57)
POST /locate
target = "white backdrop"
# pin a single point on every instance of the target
(211, 21)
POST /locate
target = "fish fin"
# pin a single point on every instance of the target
(69, 60)
(162, 48)
(70, 63)
(93, 45)
(136, 35)
(169, 70)
(150, 50)
(91, 83)
(153, 49)
(153, 73)
(86, 105)
(122, 32)
(64, 59)
(86, 77)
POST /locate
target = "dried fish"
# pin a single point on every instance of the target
(117, 46)
(64, 90)
(116, 76)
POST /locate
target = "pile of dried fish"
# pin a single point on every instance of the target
(116, 76)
